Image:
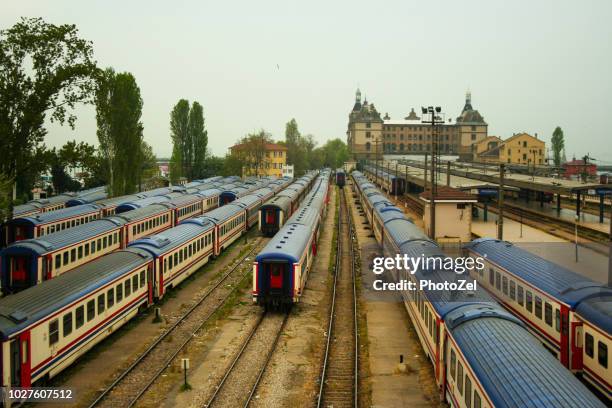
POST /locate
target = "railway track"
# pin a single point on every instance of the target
(250, 362)
(134, 381)
(339, 379)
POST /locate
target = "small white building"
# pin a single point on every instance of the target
(288, 170)
(453, 214)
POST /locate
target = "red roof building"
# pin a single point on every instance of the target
(578, 167)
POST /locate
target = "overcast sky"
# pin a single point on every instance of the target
(530, 65)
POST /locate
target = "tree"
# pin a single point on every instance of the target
(214, 166)
(558, 145)
(45, 70)
(5, 196)
(181, 139)
(118, 112)
(199, 139)
(335, 153)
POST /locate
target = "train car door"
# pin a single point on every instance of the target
(19, 272)
(15, 364)
(276, 275)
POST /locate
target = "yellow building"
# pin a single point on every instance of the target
(522, 148)
(267, 161)
(487, 144)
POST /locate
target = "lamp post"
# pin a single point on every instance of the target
(435, 117)
(576, 235)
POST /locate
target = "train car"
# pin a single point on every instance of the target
(277, 210)
(481, 354)
(47, 327)
(281, 269)
(109, 205)
(29, 262)
(571, 315)
(41, 224)
(230, 224)
(178, 253)
(340, 177)
(388, 181)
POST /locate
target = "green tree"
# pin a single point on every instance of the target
(558, 145)
(335, 153)
(199, 139)
(5, 196)
(179, 128)
(214, 166)
(45, 70)
(118, 113)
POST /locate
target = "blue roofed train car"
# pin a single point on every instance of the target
(45, 223)
(29, 262)
(178, 252)
(45, 328)
(88, 197)
(340, 177)
(230, 224)
(143, 202)
(570, 314)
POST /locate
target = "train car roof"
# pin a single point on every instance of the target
(598, 310)
(25, 208)
(551, 278)
(57, 199)
(183, 200)
(115, 201)
(87, 198)
(25, 308)
(56, 215)
(143, 202)
(172, 238)
(513, 367)
(288, 243)
(155, 191)
(221, 214)
(61, 239)
(140, 213)
(278, 201)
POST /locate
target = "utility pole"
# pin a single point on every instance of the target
(500, 202)
(435, 117)
(425, 174)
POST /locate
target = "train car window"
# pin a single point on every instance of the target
(65, 257)
(116, 234)
(602, 354)
(53, 331)
(133, 230)
(93, 247)
(460, 378)
(538, 307)
(58, 261)
(468, 391)
(86, 249)
(67, 324)
(110, 298)
(79, 316)
(588, 345)
(497, 280)
(519, 295)
(142, 277)
(170, 262)
(548, 313)
(165, 265)
(185, 253)
(91, 309)
(512, 290)
(529, 302)
(558, 320)
(73, 223)
(73, 255)
(453, 364)
(180, 256)
(80, 252)
(135, 282)
(505, 285)
(101, 303)
(128, 287)
(104, 242)
(99, 244)
(190, 250)
(119, 292)
(477, 401)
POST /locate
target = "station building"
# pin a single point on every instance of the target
(521, 148)
(369, 136)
